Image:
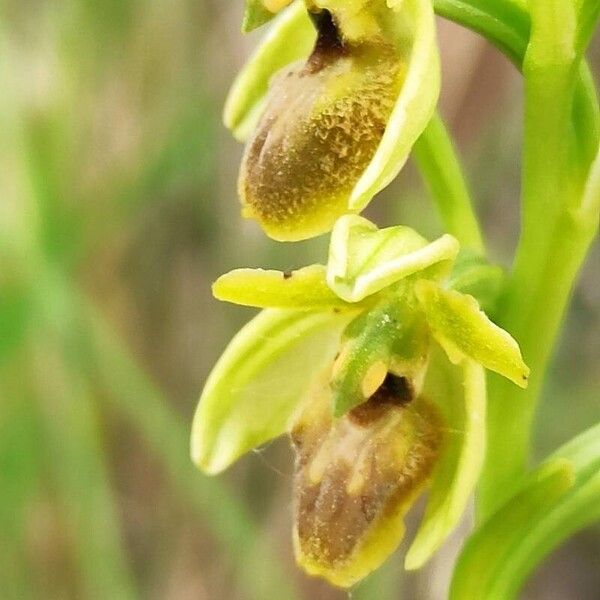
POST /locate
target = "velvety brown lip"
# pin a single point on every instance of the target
(316, 136)
(333, 520)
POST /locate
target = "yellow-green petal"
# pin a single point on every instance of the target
(302, 288)
(460, 396)
(463, 330)
(364, 260)
(414, 106)
(259, 382)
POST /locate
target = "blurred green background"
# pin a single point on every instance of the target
(117, 210)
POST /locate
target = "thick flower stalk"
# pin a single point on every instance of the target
(330, 105)
(373, 365)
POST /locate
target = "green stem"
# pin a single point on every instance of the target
(438, 163)
(507, 24)
(543, 273)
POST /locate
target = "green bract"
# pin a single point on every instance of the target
(376, 370)
(329, 131)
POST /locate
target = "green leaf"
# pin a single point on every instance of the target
(290, 38)
(364, 260)
(463, 330)
(415, 104)
(259, 382)
(460, 396)
(302, 288)
(559, 498)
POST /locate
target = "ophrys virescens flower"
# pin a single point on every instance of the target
(330, 106)
(374, 365)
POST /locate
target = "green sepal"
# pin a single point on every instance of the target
(364, 260)
(291, 37)
(302, 288)
(367, 346)
(255, 16)
(463, 330)
(459, 393)
(258, 383)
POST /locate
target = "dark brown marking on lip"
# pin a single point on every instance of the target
(329, 44)
(287, 274)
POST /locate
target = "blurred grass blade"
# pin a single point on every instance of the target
(73, 442)
(20, 455)
(440, 168)
(137, 400)
(556, 500)
(382, 584)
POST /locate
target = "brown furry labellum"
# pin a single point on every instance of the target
(320, 129)
(357, 476)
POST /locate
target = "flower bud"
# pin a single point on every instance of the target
(357, 476)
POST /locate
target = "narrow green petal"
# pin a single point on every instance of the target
(463, 330)
(290, 38)
(302, 288)
(364, 260)
(259, 381)
(414, 106)
(461, 398)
